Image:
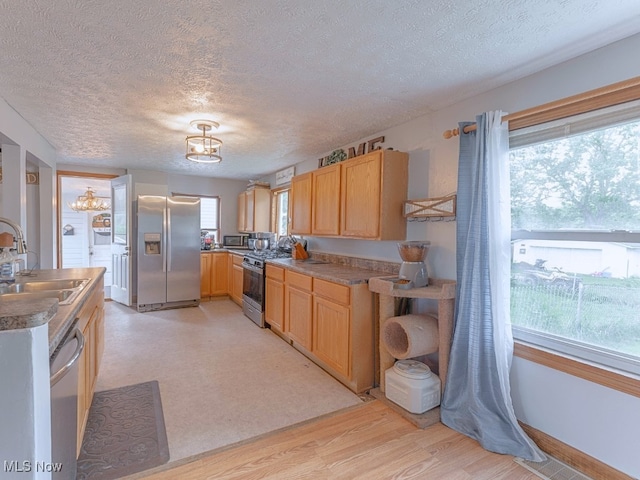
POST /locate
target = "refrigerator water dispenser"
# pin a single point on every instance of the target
(152, 244)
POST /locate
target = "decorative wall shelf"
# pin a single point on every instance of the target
(433, 209)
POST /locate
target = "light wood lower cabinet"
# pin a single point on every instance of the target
(330, 323)
(91, 324)
(214, 274)
(274, 298)
(298, 308)
(235, 278)
(331, 334)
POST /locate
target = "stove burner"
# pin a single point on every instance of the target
(268, 254)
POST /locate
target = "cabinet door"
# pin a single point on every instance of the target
(242, 212)
(299, 309)
(300, 203)
(325, 211)
(236, 289)
(361, 196)
(331, 334)
(261, 210)
(274, 304)
(219, 274)
(205, 274)
(249, 210)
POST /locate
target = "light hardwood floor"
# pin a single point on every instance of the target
(369, 441)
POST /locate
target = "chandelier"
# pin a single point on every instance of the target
(204, 148)
(90, 203)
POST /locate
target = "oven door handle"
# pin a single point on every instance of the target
(252, 268)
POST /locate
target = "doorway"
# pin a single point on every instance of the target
(84, 233)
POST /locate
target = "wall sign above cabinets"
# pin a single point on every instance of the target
(366, 147)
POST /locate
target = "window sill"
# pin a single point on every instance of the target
(622, 382)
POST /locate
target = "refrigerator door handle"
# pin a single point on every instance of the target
(168, 249)
(164, 240)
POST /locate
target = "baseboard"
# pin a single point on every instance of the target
(575, 458)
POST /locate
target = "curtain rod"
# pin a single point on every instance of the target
(614, 94)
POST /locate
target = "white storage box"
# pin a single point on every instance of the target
(413, 386)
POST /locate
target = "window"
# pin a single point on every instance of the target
(280, 207)
(575, 210)
(209, 214)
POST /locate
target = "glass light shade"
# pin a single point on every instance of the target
(90, 203)
(203, 148)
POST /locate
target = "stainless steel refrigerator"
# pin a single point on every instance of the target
(168, 252)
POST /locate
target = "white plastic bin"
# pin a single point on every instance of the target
(413, 386)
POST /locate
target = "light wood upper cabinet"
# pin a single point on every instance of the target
(242, 212)
(254, 210)
(300, 203)
(359, 198)
(373, 189)
(325, 210)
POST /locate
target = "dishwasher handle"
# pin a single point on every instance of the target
(56, 377)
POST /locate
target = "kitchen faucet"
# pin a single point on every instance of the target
(22, 245)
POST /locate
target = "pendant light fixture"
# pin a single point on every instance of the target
(90, 203)
(203, 148)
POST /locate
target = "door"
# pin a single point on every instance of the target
(152, 250)
(121, 240)
(183, 248)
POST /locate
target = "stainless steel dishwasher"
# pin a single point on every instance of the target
(64, 405)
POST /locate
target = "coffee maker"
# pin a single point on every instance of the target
(413, 268)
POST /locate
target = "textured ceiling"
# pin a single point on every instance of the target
(115, 83)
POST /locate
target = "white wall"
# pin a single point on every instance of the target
(596, 420)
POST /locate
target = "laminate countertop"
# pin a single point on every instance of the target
(332, 272)
(20, 313)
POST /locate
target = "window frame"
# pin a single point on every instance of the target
(557, 359)
(274, 209)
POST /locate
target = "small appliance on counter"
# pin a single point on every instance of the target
(413, 268)
(206, 240)
(239, 241)
(261, 241)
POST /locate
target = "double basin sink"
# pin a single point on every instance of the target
(65, 290)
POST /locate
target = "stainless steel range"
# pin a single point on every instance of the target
(253, 276)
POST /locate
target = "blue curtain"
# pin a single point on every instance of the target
(476, 400)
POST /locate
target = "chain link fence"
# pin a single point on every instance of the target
(595, 313)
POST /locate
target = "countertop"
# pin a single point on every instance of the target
(17, 313)
(237, 251)
(332, 272)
